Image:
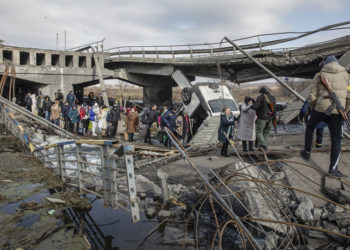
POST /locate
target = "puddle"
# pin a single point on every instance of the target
(28, 220)
(11, 208)
(110, 229)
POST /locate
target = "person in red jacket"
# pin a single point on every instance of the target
(84, 117)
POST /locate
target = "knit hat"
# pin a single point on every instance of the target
(247, 99)
(263, 90)
(329, 59)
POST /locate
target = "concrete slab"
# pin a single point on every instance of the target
(310, 179)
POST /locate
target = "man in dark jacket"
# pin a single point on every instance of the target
(265, 114)
(65, 112)
(304, 115)
(227, 120)
(169, 121)
(28, 101)
(70, 98)
(114, 118)
(151, 117)
(47, 108)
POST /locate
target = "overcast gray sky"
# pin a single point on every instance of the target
(34, 23)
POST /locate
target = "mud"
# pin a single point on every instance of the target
(24, 212)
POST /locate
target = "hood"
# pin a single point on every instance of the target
(332, 68)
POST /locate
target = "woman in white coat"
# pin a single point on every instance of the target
(102, 122)
(246, 129)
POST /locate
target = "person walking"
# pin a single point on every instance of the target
(47, 108)
(149, 117)
(70, 98)
(84, 117)
(132, 123)
(304, 115)
(73, 118)
(65, 115)
(246, 126)
(323, 110)
(34, 108)
(227, 121)
(94, 116)
(102, 122)
(28, 101)
(39, 103)
(56, 112)
(169, 121)
(265, 107)
(114, 118)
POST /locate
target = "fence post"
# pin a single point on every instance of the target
(62, 161)
(79, 166)
(58, 160)
(105, 176)
(112, 165)
(130, 176)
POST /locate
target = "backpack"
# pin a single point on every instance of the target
(144, 116)
(108, 118)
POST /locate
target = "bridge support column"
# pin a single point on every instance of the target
(160, 95)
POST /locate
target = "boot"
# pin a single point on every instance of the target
(336, 173)
(145, 141)
(256, 144)
(244, 144)
(251, 148)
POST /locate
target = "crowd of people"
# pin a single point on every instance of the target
(258, 116)
(93, 118)
(254, 123)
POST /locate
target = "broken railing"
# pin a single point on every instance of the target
(93, 167)
(214, 49)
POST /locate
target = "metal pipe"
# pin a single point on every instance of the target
(265, 69)
(212, 189)
(273, 75)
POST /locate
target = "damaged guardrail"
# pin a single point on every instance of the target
(92, 166)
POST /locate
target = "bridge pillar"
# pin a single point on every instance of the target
(160, 95)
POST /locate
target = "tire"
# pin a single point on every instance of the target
(186, 95)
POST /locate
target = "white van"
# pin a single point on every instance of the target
(204, 102)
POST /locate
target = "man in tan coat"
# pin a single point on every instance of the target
(320, 102)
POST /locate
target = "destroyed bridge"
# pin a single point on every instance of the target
(153, 67)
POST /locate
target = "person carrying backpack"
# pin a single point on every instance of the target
(114, 117)
(148, 118)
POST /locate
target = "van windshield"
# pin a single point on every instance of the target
(217, 105)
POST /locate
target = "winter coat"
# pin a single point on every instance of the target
(102, 122)
(39, 101)
(94, 112)
(84, 113)
(33, 96)
(179, 125)
(339, 81)
(169, 120)
(151, 116)
(55, 111)
(73, 116)
(226, 123)
(47, 106)
(262, 107)
(246, 128)
(65, 111)
(70, 99)
(114, 115)
(28, 100)
(132, 122)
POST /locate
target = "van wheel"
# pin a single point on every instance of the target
(186, 94)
